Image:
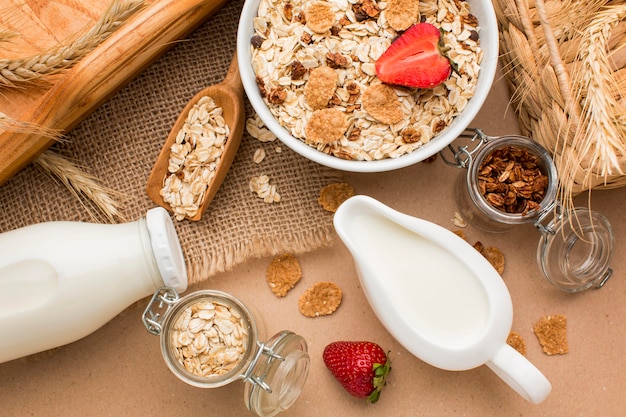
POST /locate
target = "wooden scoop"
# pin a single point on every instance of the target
(229, 95)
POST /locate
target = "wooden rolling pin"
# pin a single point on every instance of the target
(121, 57)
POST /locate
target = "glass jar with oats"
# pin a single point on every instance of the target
(210, 339)
(512, 180)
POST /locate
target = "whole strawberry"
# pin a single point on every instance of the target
(360, 367)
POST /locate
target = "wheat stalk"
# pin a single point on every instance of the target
(5, 35)
(600, 137)
(85, 187)
(30, 69)
(14, 125)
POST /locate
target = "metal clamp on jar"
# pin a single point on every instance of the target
(575, 246)
(210, 339)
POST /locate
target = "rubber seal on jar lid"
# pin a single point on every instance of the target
(575, 255)
(285, 372)
(166, 248)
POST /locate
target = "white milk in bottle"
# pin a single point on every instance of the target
(60, 281)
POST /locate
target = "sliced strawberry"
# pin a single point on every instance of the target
(415, 59)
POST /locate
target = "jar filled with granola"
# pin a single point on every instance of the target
(512, 180)
(210, 339)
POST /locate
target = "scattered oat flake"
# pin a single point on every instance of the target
(319, 16)
(262, 187)
(256, 128)
(332, 195)
(458, 220)
(326, 126)
(322, 299)
(552, 335)
(258, 156)
(382, 103)
(516, 341)
(283, 273)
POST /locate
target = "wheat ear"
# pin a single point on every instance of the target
(14, 125)
(85, 187)
(14, 72)
(599, 141)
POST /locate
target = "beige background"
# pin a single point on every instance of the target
(119, 371)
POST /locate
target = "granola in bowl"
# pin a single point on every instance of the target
(308, 68)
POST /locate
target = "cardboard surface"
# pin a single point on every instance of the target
(119, 370)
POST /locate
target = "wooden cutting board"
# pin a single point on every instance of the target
(73, 95)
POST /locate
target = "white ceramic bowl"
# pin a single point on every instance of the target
(482, 9)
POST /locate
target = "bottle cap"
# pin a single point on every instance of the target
(166, 248)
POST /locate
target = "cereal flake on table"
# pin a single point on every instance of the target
(551, 332)
(194, 157)
(332, 195)
(283, 273)
(322, 299)
(493, 255)
(516, 341)
(495, 258)
(334, 46)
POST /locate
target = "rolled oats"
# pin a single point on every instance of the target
(458, 220)
(256, 128)
(262, 187)
(259, 156)
(347, 37)
(194, 157)
(209, 338)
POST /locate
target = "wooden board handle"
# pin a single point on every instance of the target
(121, 57)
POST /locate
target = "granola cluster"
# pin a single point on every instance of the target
(315, 67)
(511, 180)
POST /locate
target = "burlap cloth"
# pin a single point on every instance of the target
(119, 144)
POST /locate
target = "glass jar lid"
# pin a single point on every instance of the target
(575, 250)
(281, 371)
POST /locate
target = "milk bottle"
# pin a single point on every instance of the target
(60, 281)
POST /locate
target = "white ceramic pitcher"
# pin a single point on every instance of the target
(436, 295)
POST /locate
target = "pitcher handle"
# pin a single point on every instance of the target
(520, 374)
